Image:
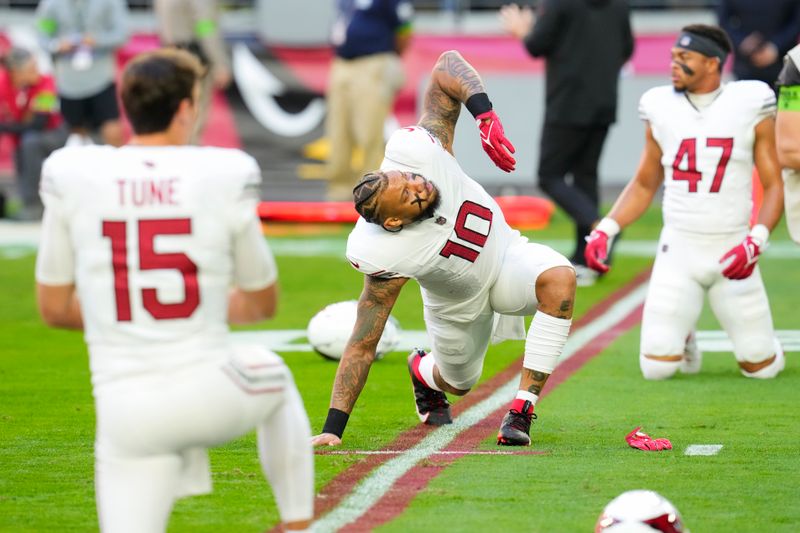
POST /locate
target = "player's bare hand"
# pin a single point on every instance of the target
(325, 439)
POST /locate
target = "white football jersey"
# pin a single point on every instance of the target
(153, 238)
(455, 255)
(708, 154)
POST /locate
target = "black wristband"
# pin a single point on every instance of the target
(478, 104)
(336, 422)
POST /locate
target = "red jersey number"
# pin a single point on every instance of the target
(468, 235)
(149, 259)
(688, 151)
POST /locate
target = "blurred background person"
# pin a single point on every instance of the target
(762, 32)
(369, 36)
(787, 138)
(194, 26)
(29, 114)
(82, 36)
(585, 44)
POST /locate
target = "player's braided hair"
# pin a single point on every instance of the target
(366, 195)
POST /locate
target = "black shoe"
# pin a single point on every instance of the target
(432, 405)
(516, 427)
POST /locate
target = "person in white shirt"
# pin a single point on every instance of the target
(702, 138)
(153, 248)
(423, 218)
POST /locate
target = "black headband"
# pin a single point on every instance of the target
(702, 45)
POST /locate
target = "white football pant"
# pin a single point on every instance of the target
(152, 433)
(459, 348)
(686, 268)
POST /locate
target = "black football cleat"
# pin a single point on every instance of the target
(432, 405)
(516, 427)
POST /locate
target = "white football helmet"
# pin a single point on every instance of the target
(640, 511)
(329, 330)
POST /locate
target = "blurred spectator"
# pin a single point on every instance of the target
(762, 32)
(585, 43)
(29, 113)
(194, 26)
(369, 36)
(83, 36)
(787, 136)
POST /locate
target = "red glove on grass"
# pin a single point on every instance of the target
(596, 251)
(494, 142)
(642, 441)
(745, 257)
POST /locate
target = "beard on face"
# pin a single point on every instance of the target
(432, 206)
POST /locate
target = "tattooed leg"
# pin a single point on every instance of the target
(555, 292)
(532, 381)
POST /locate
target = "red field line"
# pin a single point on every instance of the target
(340, 486)
(399, 496)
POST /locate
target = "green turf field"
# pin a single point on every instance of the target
(46, 422)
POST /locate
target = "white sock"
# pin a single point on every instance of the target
(426, 365)
(527, 396)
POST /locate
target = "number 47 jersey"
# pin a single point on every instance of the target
(707, 154)
(456, 255)
(153, 238)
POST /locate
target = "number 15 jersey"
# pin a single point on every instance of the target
(707, 154)
(456, 255)
(153, 238)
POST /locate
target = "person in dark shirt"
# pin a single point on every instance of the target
(762, 32)
(368, 37)
(585, 44)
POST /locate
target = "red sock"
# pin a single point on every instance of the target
(519, 406)
(415, 367)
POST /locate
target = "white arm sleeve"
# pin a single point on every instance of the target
(55, 260)
(766, 103)
(253, 264)
(284, 447)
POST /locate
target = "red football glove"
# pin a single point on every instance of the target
(642, 441)
(494, 142)
(745, 257)
(596, 251)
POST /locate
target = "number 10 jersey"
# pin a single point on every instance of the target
(707, 154)
(456, 255)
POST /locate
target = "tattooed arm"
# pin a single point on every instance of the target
(453, 81)
(376, 302)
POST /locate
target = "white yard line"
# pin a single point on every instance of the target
(294, 340)
(22, 238)
(703, 449)
(379, 481)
